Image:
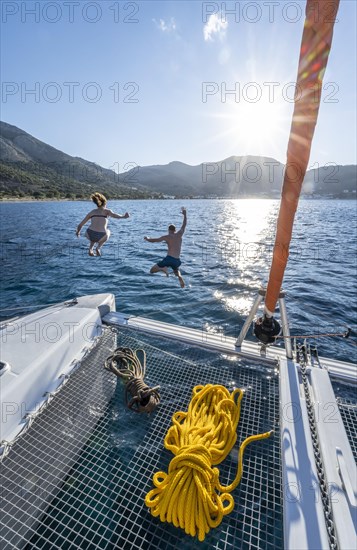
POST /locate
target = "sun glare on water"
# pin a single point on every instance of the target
(250, 219)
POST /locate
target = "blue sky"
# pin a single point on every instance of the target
(147, 82)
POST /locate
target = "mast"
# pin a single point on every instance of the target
(315, 48)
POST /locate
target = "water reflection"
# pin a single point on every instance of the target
(246, 234)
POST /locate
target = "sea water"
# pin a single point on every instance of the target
(226, 257)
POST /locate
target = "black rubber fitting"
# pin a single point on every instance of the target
(266, 329)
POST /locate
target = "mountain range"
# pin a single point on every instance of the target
(31, 168)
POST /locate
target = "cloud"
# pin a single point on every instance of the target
(215, 26)
(166, 26)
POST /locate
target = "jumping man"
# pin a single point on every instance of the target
(174, 242)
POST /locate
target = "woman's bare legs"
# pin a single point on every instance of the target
(91, 244)
(91, 251)
(101, 242)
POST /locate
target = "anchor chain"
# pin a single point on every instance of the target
(325, 497)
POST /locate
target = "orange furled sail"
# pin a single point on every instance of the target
(314, 53)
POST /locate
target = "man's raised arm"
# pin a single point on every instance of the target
(184, 223)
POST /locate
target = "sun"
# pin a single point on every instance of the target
(253, 128)
(258, 124)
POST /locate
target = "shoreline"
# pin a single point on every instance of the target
(303, 197)
(28, 199)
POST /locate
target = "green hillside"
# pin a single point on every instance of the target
(39, 181)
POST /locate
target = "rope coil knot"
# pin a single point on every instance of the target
(126, 365)
(190, 495)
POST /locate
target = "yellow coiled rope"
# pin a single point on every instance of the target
(190, 495)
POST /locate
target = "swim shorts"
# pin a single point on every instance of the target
(170, 261)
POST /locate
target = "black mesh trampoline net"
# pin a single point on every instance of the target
(96, 499)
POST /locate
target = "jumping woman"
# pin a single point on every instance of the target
(97, 233)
